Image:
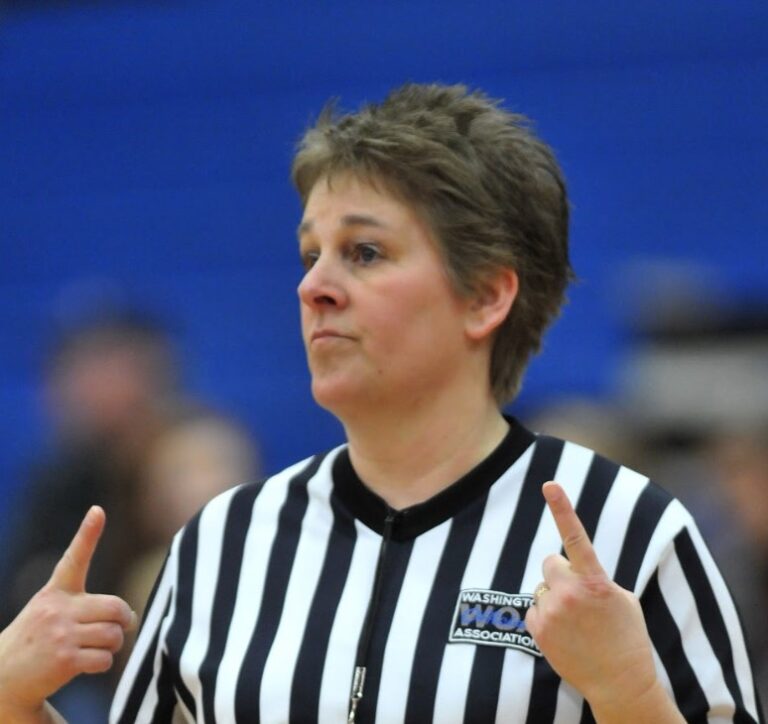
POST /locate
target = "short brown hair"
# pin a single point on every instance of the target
(491, 191)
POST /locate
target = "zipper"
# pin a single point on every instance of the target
(363, 649)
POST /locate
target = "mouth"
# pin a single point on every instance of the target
(327, 334)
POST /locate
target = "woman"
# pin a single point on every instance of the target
(395, 578)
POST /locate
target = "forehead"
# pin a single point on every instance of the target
(346, 195)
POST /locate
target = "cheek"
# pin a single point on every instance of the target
(408, 315)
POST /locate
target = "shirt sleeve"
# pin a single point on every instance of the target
(145, 692)
(698, 639)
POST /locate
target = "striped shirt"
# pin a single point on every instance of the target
(276, 591)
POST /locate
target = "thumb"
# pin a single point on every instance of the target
(72, 570)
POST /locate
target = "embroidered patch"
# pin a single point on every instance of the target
(492, 618)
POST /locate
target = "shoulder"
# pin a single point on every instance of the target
(632, 520)
(593, 475)
(234, 507)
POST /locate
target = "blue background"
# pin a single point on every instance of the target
(147, 145)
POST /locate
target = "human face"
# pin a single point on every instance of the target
(383, 327)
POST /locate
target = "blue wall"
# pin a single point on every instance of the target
(149, 144)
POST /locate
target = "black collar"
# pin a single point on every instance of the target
(408, 523)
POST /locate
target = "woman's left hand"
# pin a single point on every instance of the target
(591, 630)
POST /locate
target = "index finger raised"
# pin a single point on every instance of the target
(72, 570)
(578, 548)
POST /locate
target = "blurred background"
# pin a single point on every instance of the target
(148, 315)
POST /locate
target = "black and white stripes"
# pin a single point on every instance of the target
(259, 609)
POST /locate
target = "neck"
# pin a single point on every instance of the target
(407, 459)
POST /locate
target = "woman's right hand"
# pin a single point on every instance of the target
(62, 632)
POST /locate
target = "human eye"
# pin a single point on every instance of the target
(308, 258)
(365, 253)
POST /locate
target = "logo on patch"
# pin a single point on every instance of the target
(492, 618)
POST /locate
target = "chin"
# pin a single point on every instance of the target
(338, 395)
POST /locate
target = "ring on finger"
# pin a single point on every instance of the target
(539, 591)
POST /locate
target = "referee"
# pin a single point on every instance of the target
(425, 571)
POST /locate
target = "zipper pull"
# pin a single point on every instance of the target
(389, 522)
(358, 682)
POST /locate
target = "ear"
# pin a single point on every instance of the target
(490, 305)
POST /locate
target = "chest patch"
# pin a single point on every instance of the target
(492, 618)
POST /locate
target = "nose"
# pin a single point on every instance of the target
(321, 287)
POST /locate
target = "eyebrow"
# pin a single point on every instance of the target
(347, 220)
